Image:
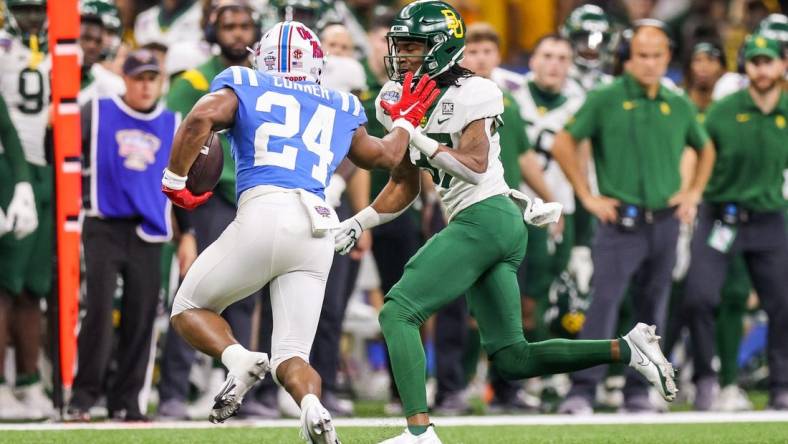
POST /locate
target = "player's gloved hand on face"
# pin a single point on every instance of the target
(347, 235)
(413, 102)
(21, 215)
(174, 186)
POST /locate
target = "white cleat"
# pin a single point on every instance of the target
(10, 407)
(647, 358)
(732, 399)
(238, 382)
(37, 403)
(317, 426)
(428, 437)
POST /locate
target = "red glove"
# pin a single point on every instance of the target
(184, 198)
(413, 103)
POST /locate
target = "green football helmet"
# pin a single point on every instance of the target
(565, 314)
(775, 26)
(591, 32)
(106, 11)
(435, 24)
(22, 16)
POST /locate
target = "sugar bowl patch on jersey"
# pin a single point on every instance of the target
(474, 99)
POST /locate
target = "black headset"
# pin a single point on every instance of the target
(210, 29)
(623, 51)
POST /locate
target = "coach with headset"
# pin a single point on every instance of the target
(638, 131)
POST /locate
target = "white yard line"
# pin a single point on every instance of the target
(533, 420)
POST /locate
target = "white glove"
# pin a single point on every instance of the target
(541, 214)
(581, 267)
(21, 214)
(347, 235)
(4, 228)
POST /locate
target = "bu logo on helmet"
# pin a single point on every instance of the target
(453, 23)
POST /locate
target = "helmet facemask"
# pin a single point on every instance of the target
(590, 49)
(396, 67)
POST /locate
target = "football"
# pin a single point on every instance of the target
(207, 168)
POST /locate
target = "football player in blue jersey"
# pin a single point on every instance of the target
(288, 134)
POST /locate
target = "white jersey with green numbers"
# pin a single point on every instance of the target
(24, 84)
(476, 98)
(542, 126)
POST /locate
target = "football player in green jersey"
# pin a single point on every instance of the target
(480, 250)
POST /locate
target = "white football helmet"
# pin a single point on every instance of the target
(290, 50)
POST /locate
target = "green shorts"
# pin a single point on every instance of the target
(26, 264)
(477, 255)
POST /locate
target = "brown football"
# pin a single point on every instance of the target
(207, 168)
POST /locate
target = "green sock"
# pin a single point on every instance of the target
(523, 360)
(406, 355)
(417, 429)
(624, 352)
(25, 380)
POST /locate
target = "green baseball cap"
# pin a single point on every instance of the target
(757, 45)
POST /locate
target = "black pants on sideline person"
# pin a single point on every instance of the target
(112, 248)
(642, 259)
(341, 281)
(763, 242)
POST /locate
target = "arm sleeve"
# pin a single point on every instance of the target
(12, 146)
(696, 133)
(584, 123)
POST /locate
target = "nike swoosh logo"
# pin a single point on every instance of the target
(440, 122)
(407, 111)
(643, 360)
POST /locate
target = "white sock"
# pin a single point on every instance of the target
(309, 400)
(234, 356)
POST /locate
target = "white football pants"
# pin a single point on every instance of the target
(270, 240)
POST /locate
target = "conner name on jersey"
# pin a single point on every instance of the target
(287, 134)
(313, 89)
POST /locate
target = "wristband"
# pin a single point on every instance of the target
(406, 125)
(424, 144)
(367, 218)
(173, 181)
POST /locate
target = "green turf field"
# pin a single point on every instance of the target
(636, 434)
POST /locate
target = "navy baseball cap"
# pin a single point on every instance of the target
(141, 61)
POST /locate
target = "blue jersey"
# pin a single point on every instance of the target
(287, 134)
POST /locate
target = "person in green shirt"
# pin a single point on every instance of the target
(638, 131)
(743, 212)
(233, 29)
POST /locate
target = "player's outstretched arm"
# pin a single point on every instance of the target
(469, 161)
(213, 112)
(372, 152)
(398, 194)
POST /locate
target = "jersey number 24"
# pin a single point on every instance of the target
(316, 136)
